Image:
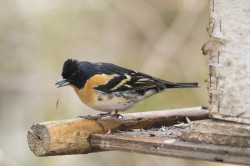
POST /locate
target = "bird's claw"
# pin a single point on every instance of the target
(110, 114)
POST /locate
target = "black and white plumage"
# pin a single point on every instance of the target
(110, 88)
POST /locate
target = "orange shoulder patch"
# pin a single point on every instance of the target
(99, 79)
(87, 94)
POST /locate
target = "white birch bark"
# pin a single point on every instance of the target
(229, 59)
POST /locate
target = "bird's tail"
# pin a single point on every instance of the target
(170, 85)
(187, 85)
(181, 85)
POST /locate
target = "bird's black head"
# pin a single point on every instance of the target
(76, 73)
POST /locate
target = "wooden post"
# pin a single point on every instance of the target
(229, 77)
(229, 59)
(72, 136)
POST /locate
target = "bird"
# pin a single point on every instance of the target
(109, 88)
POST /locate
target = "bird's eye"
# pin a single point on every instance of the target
(72, 75)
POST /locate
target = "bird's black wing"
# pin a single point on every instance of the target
(126, 79)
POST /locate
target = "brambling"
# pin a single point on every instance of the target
(110, 88)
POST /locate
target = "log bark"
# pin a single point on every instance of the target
(72, 136)
(228, 49)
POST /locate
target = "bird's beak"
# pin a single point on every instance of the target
(62, 82)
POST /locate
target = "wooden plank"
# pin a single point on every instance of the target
(217, 139)
(72, 136)
(231, 118)
(220, 127)
(218, 132)
(167, 145)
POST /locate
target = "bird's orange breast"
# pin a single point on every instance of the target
(87, 94)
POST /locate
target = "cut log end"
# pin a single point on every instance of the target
(38, 139)
(62, 137)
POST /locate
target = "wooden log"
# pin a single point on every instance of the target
(72, 136)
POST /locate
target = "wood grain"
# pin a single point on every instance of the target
(218, 132)
(171, 146)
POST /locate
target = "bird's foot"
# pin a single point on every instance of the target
(113, 114)
(119, 116)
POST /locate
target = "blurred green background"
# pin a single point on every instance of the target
(159, 37)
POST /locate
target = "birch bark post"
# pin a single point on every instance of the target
(229, 60)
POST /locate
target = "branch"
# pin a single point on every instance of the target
(73, 136)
